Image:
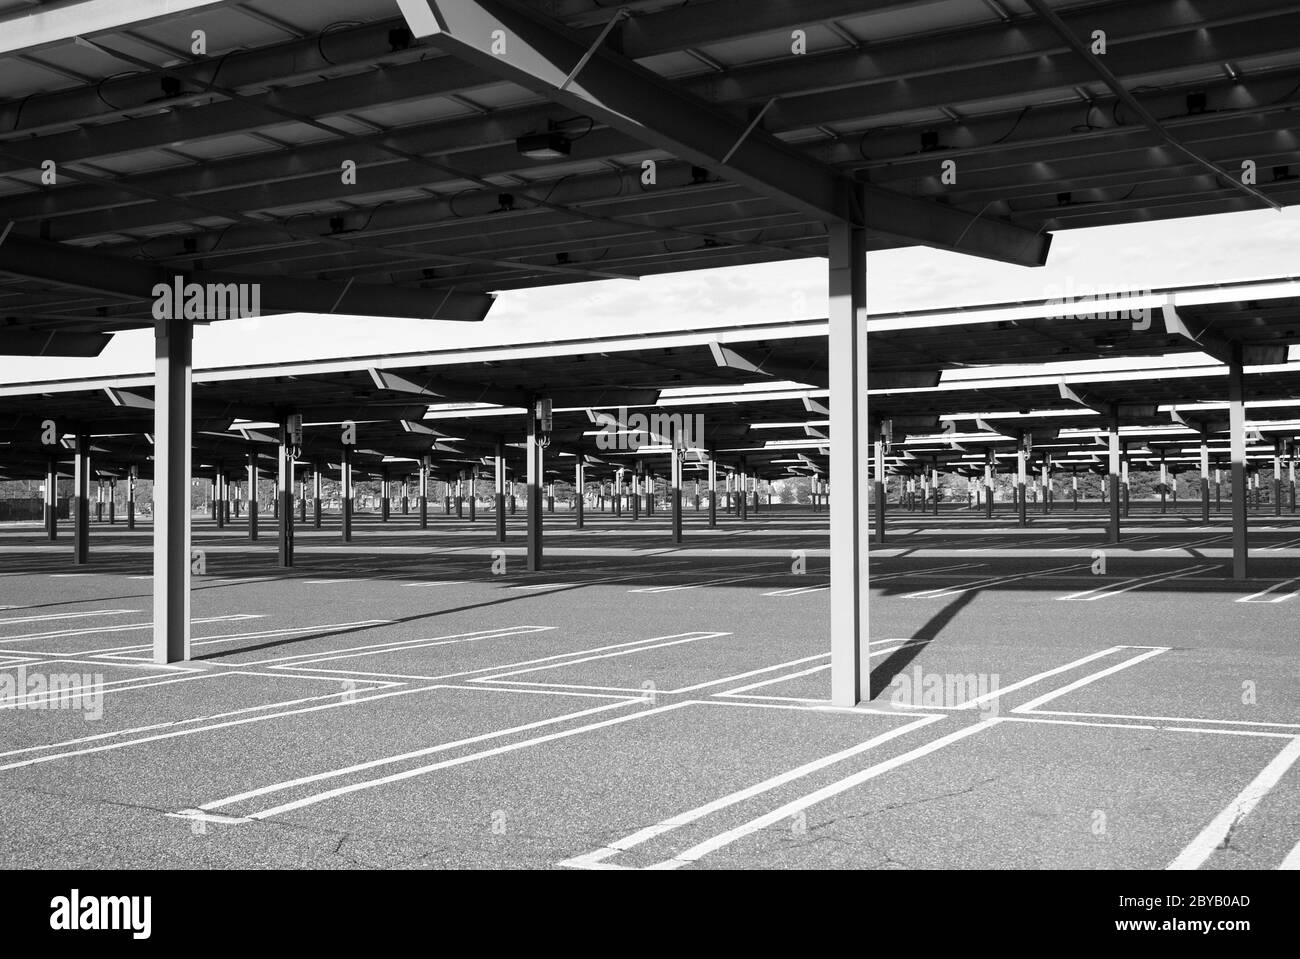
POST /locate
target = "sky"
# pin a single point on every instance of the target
(1131, 257)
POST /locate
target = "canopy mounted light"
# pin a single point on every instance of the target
(552, 145)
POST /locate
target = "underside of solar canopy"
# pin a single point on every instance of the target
(410, 159)
(233, 162)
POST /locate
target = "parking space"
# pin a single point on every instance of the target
(396, 702)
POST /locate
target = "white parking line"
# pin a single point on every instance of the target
(1202, 847)
(1166, 719)
(300, 660)
(68, 633)
(464, 672)
(460, 760)
(1292, 861)
(1200, 542)
(593, 859)
(1092, 677)
(1128, 585)
(707, 582)
(702, 849)
(1259, 597)
(122, 651)
(14, 620)
(944, 591)
(659, 642)
(403, 757)
(880, 578)
(799, 590)
(349, 699)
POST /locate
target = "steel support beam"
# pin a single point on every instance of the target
(579, 482)
(630, 98)
(52, 499)
(424, 492)
(284, 497)
(130, 497)
(1112, 477)
(252, 494)
(135, 280)
(675, 493)
(1022, 505)
(81, 501)
(535, 476)
(1237, 436)
(851, 531)
(173, 369)
(500, 467)
(345, 492)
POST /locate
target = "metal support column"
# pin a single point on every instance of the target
(578, 484)
(878, 489)
(1021, 465)
(851, 531)
(173, 346)
(1237, 430)
(423, 497)
(81, 501)
(130, 497)
(52, 499)
(534, 494)
(501, 491)
(713, 491)
(284, 496)
(989, 460)
(1112, 477)
(676, 493)
(345, 492)
(317, 482)
(252, 494)
(1277, 478)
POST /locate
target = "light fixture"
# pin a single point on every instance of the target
(552, 145)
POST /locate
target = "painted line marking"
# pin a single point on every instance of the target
(404, 757)
(1169, 719)
(1091, 678)
(708, 582)
(121, 652)
(68, 633)
(675, 639)
(1259, 597)
(588, 860)
(1128, 585)
(944, 591)
(799, 590)
(781, 679)
(299, 660)
(1212, 836)
(1292, 860)
(459, 761)
(14, 620)
(702, 849)
(355, 701)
